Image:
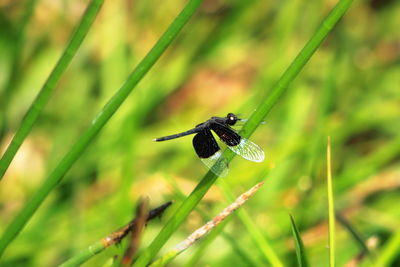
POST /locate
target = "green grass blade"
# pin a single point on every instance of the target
(213, 223)
(331, 207)
(84, 255)
(390, 251)
(176, 220)
(45, 92)
(97, 124)
(297, 65)
(219, 231)
(12, 80)
(112, 239)
(255, 119)
(300, 251)
(165, 260)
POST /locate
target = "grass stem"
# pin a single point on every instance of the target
(97, 124)
(44, 94)
(251, 125)
(300, 251)
(331, 207)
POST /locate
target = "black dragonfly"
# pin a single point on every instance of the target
(207, 148)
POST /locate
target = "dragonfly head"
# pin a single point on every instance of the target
(231, 119)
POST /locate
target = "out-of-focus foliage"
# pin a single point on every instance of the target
(226, 58)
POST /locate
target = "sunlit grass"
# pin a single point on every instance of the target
(331, 206)
(300, 251)
(228, 58)
(45, 92)
(98, 122)
(250, 126)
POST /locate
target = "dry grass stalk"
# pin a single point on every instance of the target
(218, 219)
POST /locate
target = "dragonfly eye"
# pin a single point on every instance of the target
(231, 119)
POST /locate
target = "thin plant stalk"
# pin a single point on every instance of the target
(239, 250)
(204, 245)
(354, 233)
(250, 126)
(390, 251)
(300, 251)
(254, 231)
(16, 54)
(331, 207)
(136, 232)
(97, 124)
(112, 239)
(44, 94)
(205, 229)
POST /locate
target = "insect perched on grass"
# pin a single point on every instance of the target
(207, 148)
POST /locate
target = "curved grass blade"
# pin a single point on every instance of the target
(45, 92)
(300, 252)
(97, 124)
(251, 125)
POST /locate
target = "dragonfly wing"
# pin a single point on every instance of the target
(209, 152)
(217, 163)
(248, 150)
(226, 134)
(237, 144)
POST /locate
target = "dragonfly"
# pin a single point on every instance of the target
(207, 148)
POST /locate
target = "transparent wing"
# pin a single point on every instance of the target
(248, 150)
(217, 164)
(209, 152)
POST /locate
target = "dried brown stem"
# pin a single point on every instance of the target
(136, 232)
(116, 236)
(218, 219)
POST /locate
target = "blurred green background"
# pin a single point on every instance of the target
(225, 60)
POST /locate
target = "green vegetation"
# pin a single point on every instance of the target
(331, 205)
(87, 154)
(300, 251)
